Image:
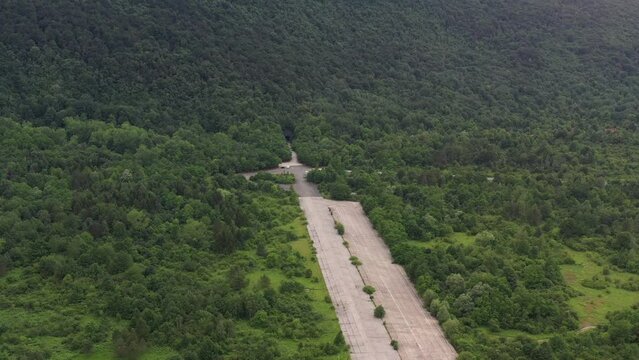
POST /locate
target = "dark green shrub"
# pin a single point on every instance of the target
(289, 286)
(394, 344)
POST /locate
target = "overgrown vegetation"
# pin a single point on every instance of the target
(285, 179)
(394, 344)
(368, 289)
(118, 239)
(355, 261)
(492, 144)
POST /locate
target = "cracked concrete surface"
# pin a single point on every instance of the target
(417, 332)
(366, 335)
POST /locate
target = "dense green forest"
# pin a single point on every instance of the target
(493, 145)
(117, 240)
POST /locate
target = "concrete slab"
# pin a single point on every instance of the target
(366, 335)
(418, 333)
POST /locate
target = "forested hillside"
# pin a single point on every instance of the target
(492, 143)
(118, 241)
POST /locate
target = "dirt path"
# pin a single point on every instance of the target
(406, 321)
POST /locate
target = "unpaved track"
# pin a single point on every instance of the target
(417, 332)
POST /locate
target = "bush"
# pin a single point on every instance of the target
(465, 355)
(355, 261)
(428, 296)
(339, 227)
(260, 319)
(339, 191)
(237, 278)
(442, 314)
(630, 285)
(291, 287)
(261, 250)
(451, 327)
(4, 265)
(394, 344)
(79, 343)
(379, 312)
(330, 349)
(434, 306)
(369, 289)
(595, 283)
(128, 344)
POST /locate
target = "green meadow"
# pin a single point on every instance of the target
(592, 304)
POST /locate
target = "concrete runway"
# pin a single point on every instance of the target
(417, 332)
(366, 335)
(406, 320)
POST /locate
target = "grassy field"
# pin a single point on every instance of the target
(454, 238)
(593, 304)
(462, 238)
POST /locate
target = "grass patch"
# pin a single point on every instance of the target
(593, 305)
(462, 238)
(454, 238)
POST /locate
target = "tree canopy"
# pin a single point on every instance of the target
(492, 144)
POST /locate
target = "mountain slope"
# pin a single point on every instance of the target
(492, 143)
